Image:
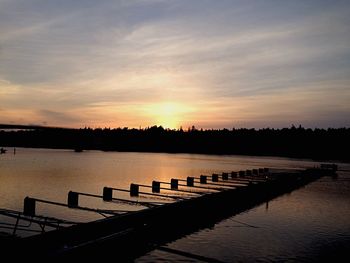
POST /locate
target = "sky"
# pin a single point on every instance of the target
(207, 63)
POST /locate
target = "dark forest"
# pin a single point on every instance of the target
(297, 142)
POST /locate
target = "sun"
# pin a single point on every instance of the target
(168, 114)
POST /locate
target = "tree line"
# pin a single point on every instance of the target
(299, 142)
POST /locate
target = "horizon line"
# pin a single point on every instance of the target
(35, 126)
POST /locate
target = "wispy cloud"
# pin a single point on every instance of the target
(62, 117)
(115, 58)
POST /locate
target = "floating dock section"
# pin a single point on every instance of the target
(204, 201)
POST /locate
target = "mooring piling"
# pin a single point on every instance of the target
(224, 176)
(29, 206)
(134, 191)
(174, 186)
(191, 184)
(108, 197)
(228, 184)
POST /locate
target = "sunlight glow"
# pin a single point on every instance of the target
(168, 114)
(143, 63)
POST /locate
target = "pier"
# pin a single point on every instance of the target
(204, 200)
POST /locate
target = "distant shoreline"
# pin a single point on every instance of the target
(317, 144)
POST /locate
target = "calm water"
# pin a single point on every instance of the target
(296, 227)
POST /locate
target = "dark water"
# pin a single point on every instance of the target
(309, 224)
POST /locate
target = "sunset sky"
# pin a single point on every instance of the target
(208, 63)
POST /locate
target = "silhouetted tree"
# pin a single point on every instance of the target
(292, 142)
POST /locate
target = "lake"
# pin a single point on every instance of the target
(305, 225)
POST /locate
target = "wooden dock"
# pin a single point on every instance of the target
(159, 223)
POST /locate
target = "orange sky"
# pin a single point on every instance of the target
(212, 64)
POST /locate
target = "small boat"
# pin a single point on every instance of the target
(2, 150)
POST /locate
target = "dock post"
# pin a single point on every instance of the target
(155, 187)
(203, 179)
(29, 206)
(261, 171)
(255, 172)
(190, 181)
(241, 173)
(134, 190)
(73, 199)
(234, 175)
(215, 177)
(107, 194)
(248, 172)
(225, 176)
(174, 184)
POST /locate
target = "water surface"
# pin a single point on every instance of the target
(300, 226)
